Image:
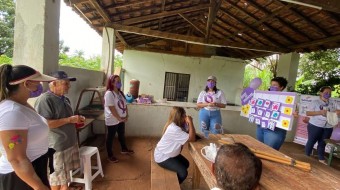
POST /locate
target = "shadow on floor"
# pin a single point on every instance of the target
(133, 172)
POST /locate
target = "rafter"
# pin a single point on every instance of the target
(75, 1)
(278, 32)
(161, 19)
(216, 4)
(329, 5)
(251, 28)
(127, 4)
(283, 22)
(162, 14)
(100, 10)
(307, 20)
(120, 37)
(192, 39)
(238, 36)
(332, 39)
(190, 22)
(266, 18)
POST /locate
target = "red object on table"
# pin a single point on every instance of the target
(79, 125)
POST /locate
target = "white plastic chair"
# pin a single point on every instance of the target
(86, 152)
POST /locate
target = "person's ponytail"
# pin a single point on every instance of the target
(5, 78)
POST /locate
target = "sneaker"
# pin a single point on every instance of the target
(112, 159)
(127, 151)
(323, 162)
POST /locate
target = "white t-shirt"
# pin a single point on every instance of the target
(171, 143)
(318, 105)
(14, 116)
(118, 101)
(208, 97)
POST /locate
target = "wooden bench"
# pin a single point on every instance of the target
(162, 179)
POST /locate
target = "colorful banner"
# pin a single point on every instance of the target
(271, 109)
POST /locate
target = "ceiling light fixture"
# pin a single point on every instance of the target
(303, 4)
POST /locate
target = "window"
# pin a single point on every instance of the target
(176, 86)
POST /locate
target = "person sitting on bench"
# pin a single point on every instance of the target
(178, 130)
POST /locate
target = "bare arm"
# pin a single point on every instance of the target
(202, 105)
(60, 122)
(16, 155)
(315, 113)
(192, 131)
(220, 105)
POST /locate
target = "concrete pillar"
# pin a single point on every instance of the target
(108, 50)
(36, 34)
(288, 67)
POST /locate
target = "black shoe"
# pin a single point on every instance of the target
(112, 159)
(127, 151)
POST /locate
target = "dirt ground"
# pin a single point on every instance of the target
(133, 172)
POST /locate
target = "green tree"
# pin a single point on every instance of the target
(319, 69)
(4, 59)
(7, 15)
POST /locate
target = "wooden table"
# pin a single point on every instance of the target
(274, 175)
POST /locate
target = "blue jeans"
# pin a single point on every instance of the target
(317, 134)
(274, 139)
(178, 164)
(210, 121)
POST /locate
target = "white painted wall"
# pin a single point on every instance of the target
(149, 68)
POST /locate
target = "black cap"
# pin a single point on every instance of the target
(61, 75)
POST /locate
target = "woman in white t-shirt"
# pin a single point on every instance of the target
(178, 130)
(116, 114)
(318, 128)
(211, 100)
(23, 132)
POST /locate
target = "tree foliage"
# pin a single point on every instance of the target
(319, 69)
(7, 15)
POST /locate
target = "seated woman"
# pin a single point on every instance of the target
(178, 130)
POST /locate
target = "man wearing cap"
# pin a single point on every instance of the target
(56, 108)
(211, 100)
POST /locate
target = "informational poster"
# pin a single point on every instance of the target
(301, 134)
(271, 109)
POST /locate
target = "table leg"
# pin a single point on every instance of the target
(330, 155)
(196, 178)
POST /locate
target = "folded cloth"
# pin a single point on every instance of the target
(332, 118)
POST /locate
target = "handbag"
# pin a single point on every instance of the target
(332, 118)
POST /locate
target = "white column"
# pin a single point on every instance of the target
(288, 67)
(36, 36)
(108, 50)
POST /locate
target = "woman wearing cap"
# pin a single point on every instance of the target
(318, 128)
(23, 132)
(116, 114)
(211, 100)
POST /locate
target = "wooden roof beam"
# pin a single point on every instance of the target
(120, 37)
(329, 5)
(306, 19)
(278, 32)
(162, 14)
(75, 1)
(251, 28)
(127, 4)
(318, 42)
(266, 18)
(161, 19)
(192, 39)
(242, 37)
(190, 22)
(100, 10)
(216, 4)
(283, 22)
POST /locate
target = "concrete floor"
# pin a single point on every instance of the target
(133, 172)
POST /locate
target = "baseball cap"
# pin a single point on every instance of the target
(212, 78)
(61, 75)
